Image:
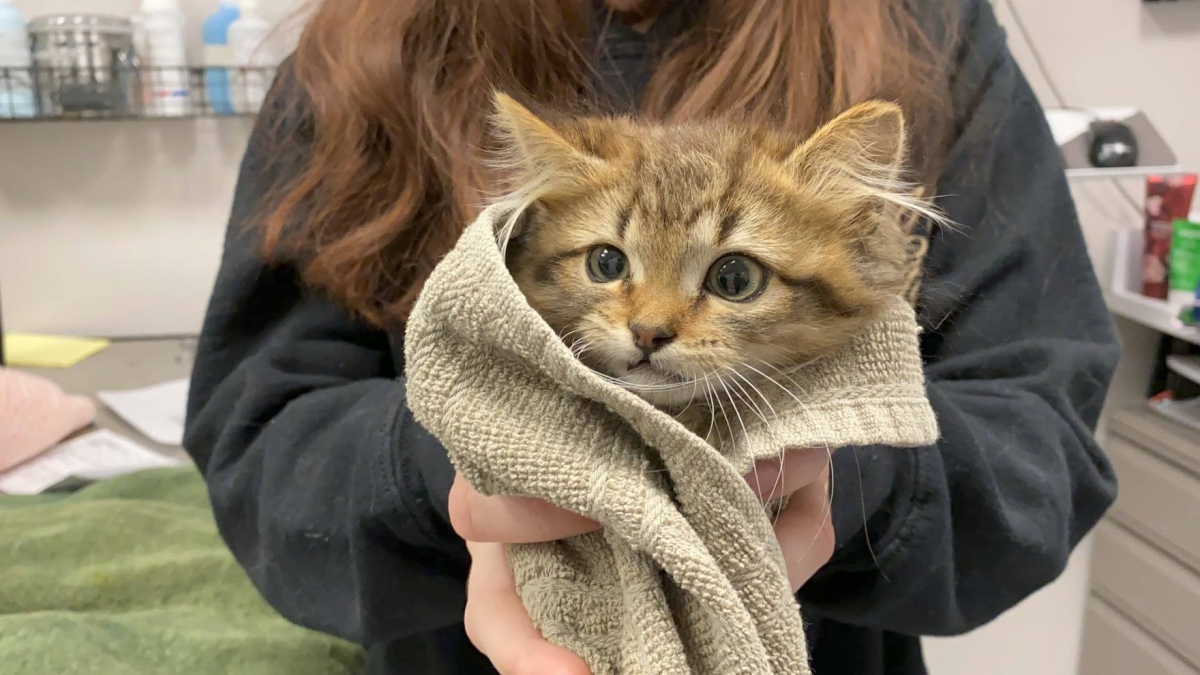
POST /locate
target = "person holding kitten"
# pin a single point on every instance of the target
(371, 157)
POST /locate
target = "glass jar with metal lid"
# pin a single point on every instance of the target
(84, 65)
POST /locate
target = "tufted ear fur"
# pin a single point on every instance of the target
(861, 156)
(867, 140)
(540, 159)
(533, 146)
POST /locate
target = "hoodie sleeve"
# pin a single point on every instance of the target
(328, 493)
(1019, 349)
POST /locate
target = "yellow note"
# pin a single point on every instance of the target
(48, 351)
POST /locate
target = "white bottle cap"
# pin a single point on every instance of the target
(150, 6)
(247, 6)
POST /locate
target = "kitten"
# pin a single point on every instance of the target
(694, 262)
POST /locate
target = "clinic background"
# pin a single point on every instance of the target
(115, 228)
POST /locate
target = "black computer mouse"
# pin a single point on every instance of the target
(1113, 145)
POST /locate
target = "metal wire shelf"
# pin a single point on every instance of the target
(130, 93)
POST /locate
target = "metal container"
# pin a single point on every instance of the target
(84, 65)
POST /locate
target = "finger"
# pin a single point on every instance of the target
(771, 478)
(498, 625)
(511, 520)
(805, 531)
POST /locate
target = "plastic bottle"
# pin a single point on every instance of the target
(160, 30)
(217, 56)
(16, 82)
(251, 57)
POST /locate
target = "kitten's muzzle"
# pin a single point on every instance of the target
(650, 339)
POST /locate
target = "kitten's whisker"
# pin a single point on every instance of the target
(769, 430)
(643, 387)
(862, 498)
(711, 425)
(712, 416)
(733, 404)
(784, 373)
(580, 341)
(617, 380)
(663, 378)
(764, 398)
(746, 434)
(695, 385)
(781, 478)
(580, 346)
(717, 399)
(728, 425)
(758, 391)
(828, 453)
(745, 396)
(564, 336)
(775, 382)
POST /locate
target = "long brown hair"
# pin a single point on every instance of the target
(396, 97)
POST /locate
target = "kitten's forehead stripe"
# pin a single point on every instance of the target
(623, 222)
(728, 224)
(680, 188)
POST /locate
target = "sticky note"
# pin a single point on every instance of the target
(48, 351)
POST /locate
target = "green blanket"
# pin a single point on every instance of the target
(129, 576)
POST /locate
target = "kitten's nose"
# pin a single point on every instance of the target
(650, 339)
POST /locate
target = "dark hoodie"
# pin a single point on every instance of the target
(334, 500)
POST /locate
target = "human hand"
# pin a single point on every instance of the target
(805, 526)
(496, 622)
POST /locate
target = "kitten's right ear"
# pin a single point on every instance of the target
(533, 144)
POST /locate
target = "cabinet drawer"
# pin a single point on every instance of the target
(1142, 426)
(1157, 593)
(1159, 501)
(1114, 646)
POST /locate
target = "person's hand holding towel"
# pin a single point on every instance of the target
(500, 627)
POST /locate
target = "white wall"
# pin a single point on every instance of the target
(115, 228)
(1098, 53)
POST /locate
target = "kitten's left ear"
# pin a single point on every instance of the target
(866, 141)
(534, 144)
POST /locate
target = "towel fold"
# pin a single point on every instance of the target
(686, 576)
(129, 576)
(35, 414)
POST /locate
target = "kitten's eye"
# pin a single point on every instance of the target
(736, 278)
(607, 263)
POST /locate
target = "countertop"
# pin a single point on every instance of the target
(126, 364)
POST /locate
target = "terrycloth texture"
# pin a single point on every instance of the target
(686, 576)
(129, 576)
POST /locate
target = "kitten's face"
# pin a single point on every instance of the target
(690, 260)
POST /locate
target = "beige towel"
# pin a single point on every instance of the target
(686, 576)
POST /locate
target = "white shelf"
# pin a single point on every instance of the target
(1122, 295)
(1186, 366)
(1150, 313)
(1129, 172)
(1071, 130)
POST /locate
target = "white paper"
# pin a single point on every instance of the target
(95, 456)
(157, 411)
